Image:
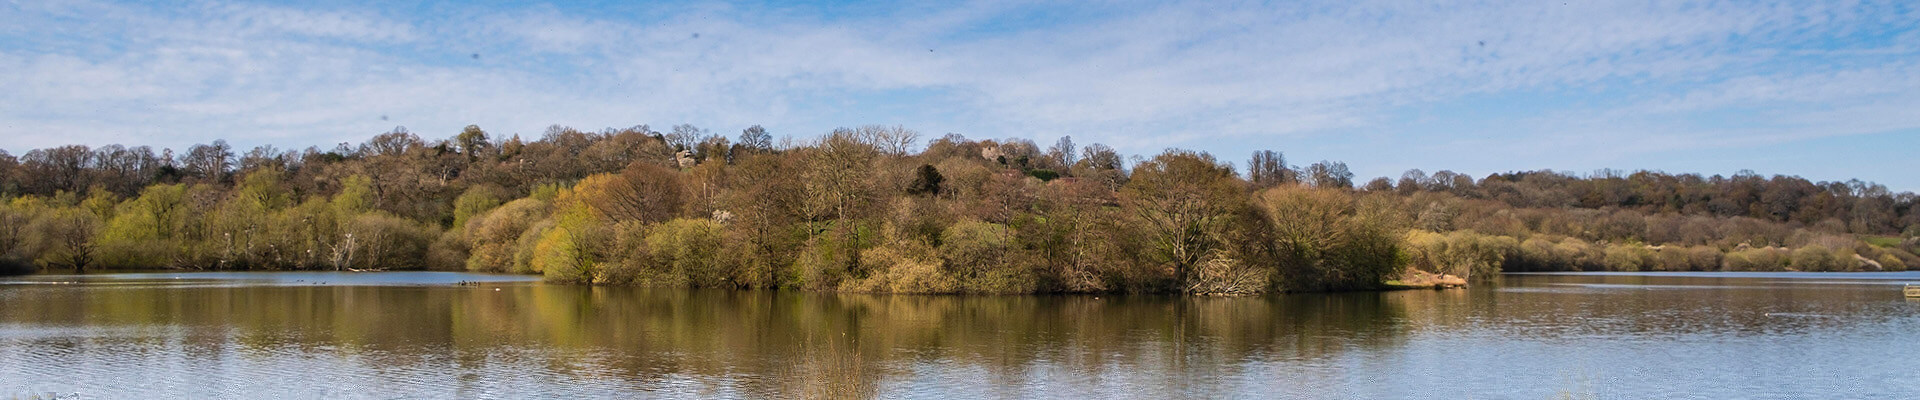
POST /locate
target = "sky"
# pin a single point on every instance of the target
(1827, 90)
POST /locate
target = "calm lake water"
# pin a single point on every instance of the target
(424, 335)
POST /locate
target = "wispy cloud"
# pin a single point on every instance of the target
(1212, 75)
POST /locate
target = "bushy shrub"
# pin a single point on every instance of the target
(448, 251)
(475, 201)
(980, 255)
(906, 267)
(1466, 254)
(1757, 259)
(1677, 258)
(1222, 274)
(1815, 258)
(916, 219)
(690, 249)
(1704, 258)
(1892, 263)
(525, 247)
(1326, 242)
(389, 242)
(1627, 257)
(1534, 254)
(64, 238)
(833, 257)
(493, 237)
(574, 249)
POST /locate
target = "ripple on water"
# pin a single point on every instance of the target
(1530, 338)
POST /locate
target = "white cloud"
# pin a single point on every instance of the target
(1137, 76)
(246, 20)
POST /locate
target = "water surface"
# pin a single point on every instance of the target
(433, 335)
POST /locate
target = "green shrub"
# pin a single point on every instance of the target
(573, 250)
(523, 248)
(1535, 254)
(389, 242)
(473, 202)
(832, 257)
(981, 255)
(1892, 263)
(448, 251)
(906, 267)
(493, 237)
(1467, 254)
(690, 249)
(1756, 259)
(1628, 257)
(1704, 258)
(1815, 258)
(1328, 241)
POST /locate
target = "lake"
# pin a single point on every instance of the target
(444, 334)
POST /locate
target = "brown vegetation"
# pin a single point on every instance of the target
(860, 210)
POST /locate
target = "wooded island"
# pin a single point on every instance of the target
(870, 209)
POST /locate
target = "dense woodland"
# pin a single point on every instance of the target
(875, 209)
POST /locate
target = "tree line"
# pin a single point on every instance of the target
(875, 209)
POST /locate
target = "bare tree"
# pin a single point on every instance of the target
(265, 156)
(1182, 198)
(1268, 168)
(685, 136)
(210, 162)
(892, 140)
(64, 168)
(644, 192)
(68, 238)
(756, 138)
(392, 144)
(1062, 151)
(1329, 175)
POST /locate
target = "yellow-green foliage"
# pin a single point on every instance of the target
(831, 257)
(64, 238)
(141, 233)
(1628, 257)
(100, 203)
(1756, 259)
(315, 230)
(390, 242)
(906, 267)
(14, 258)
(1815, 258)
(546, 193)
(492, 237)
(1461, 253)
(473, 202)
(690, 250)
(853, 211)
(1892, 263)
(355, 197)
(571, 251)
(1327, 240)
(980, 254)
(1677, 258)
(525, 246)
(263, 188)
(451, 250)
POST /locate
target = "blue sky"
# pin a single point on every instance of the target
(1825, 90)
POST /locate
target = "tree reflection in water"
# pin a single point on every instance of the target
(524, 339)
